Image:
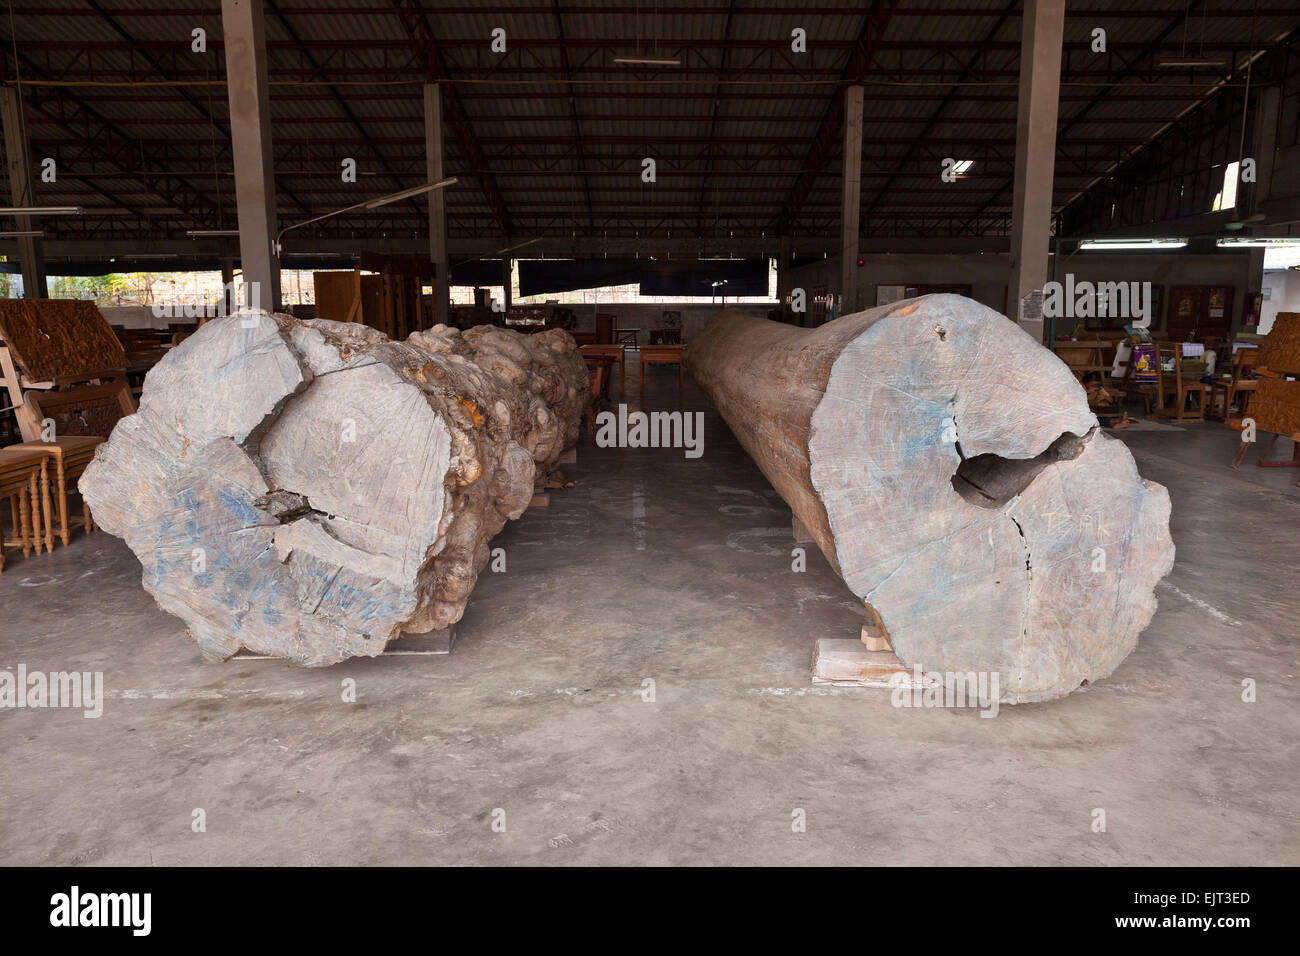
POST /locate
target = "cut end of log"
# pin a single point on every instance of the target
(953, 475)
(310, 490)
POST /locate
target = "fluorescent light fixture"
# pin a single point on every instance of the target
(1148, 245)
(210, 233)
(1256, 242)
(648, 60)
(25, 234)
(368, 204)
(1189, 62)
(962, 166)
(408, 193)
(502, 252)
(42, 211)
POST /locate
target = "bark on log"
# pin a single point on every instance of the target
(950, 470)
(311, 490)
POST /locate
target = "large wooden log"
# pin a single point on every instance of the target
(949, 469)
(311, 490)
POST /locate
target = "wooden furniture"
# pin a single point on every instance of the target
(605, 322)
(662, 355)
(1139, 381)
(1199, 311)
(25, 482)
(390, 301)
(1087, 355)
(1187, 393)
(1275, 406)
(612, 352)
(46, 344)
(670, 329)
(599, 370)
(70, 455)
(70, 448)
(626, 337)
(1224, 391)
(584, 338)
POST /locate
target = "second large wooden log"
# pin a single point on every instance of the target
(950, 470)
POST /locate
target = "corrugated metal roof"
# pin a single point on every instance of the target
(555, 123)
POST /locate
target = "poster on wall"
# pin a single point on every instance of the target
(1144, 363)
(1217, 303)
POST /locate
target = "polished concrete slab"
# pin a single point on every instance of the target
(672, 575)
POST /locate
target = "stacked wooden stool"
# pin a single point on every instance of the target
(24, 480)
(67, 457)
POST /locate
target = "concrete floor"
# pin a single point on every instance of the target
(539, 709)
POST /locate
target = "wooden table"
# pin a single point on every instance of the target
(662, 355)
(612, 352)
(1085, 355)
(24, 480)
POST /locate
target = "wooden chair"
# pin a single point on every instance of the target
(73, 411)
(1224, 391)
(1187, 394)
(1133, 387)
(24, 480)
(599, 371)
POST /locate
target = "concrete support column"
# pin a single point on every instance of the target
(783, 256)
(228, 298)
(250, 134)
(851, 200)
(1264, 151)
(437, 202)
(506, 263)
(1031, 216)
(18, 161)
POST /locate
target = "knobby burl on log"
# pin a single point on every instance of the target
(951, 472)
(311, 489)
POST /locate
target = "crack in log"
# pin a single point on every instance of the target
(1024, 609)
(286, 506)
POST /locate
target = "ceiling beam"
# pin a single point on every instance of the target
(415, 21)
(873, 27)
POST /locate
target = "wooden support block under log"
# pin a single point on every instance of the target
(845, 661)
(874, 640)
(311, 489)
(949, 469)
(801, 533)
